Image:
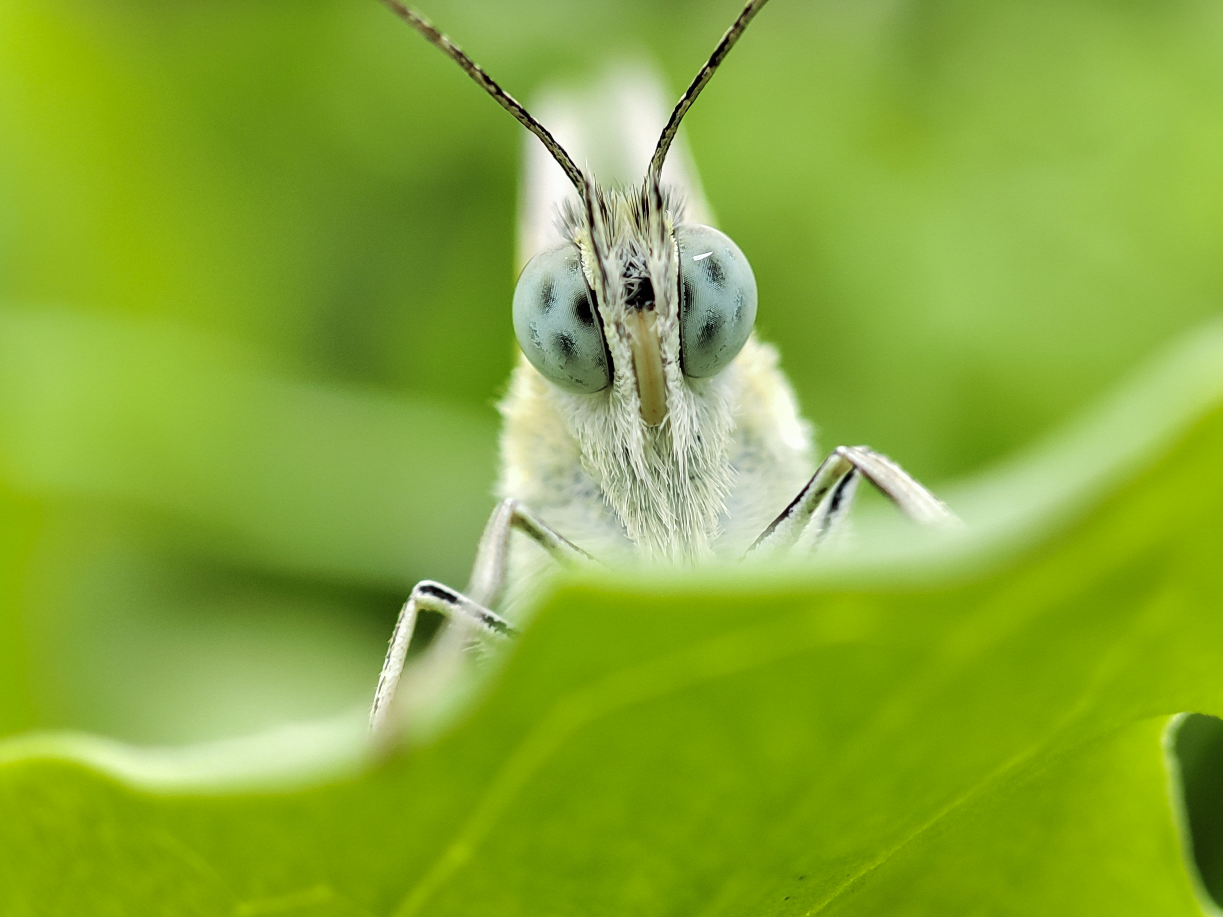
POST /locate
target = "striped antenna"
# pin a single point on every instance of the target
(694, 89)
(504, 99)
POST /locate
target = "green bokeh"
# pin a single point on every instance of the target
(256, 261)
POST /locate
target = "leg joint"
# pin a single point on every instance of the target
(434, 596)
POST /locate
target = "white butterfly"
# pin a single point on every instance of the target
(644, 421)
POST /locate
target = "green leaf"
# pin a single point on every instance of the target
(196, 534)
(971, 726)
(296, 477)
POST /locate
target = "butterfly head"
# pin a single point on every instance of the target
(636, 303)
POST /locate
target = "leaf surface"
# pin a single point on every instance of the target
(973, 729)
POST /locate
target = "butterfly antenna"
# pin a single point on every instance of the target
(504, 99)
(694, 89)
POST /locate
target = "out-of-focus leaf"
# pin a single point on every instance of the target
(288, 476)
(966, 220)
(976, 730)
(191, 540)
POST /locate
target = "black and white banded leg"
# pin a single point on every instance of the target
(470, 607)
(827, 497)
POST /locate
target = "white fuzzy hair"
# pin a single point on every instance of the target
(727, 457)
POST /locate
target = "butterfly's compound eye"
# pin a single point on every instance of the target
(717, 294)
(556, 322)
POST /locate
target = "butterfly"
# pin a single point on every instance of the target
(644, 422)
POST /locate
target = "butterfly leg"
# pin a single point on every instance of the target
(428, 596)
(488, 574)
(471, 607)
(827, 496)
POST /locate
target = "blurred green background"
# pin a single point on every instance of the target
(256, 266)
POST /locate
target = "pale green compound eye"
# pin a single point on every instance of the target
(717, 296)
(556, 322)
